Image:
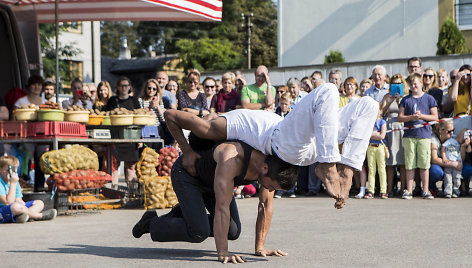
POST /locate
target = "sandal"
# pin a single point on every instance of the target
(368, 196)
(384, 196)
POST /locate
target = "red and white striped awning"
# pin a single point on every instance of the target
(122, 10)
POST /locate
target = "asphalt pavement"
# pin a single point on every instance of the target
(365, 233)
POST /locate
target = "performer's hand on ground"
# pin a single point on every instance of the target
(231, 258)
(188, 162)
(268, 252)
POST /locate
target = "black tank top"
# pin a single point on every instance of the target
(206, 166)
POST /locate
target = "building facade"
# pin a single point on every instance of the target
(364, 30)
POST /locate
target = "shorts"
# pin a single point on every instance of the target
(417, 153)
(6, 215)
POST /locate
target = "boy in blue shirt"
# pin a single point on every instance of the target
(12, 206)
(417, 108)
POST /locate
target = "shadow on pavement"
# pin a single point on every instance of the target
(139, 253)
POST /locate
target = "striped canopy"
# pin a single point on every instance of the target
(122, 10)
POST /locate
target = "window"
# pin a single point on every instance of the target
(464, 14)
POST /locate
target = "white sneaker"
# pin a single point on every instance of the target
(359, 196)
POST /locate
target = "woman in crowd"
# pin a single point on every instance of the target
(445, 106)
(80, 96)
(173, 87)
(280, 91)
(442, 132)
(190, 99)
(390, 108)
(363, 86)
(209, 89)
(240, 82)
(459, 92)
(125, 152)
(228, 98)
(151, 98)
(35, 87)
(103, 94)
(350, 90)
(430, 84)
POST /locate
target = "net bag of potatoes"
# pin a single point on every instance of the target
(170, 194)
(147, 164)
(64, 160)
(155, 192)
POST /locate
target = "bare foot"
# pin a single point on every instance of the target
(340, 203)
(345, 179)
(328, 174)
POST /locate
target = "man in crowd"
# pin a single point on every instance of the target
(79, 98)
(49, 90)
(335, 77)
(168, 98)
(257, 96)
(219, 170)
(317, 79)
(380, 87)
(414, 65)
(314, 140)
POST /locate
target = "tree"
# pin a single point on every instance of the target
(208, 54)
(163, 36)
(334, 56)
(48, 51)
(450, 39)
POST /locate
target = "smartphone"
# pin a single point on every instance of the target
(397, 88)
(80, 92)
(10, 170)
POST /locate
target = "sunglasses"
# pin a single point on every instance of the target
(280, 91)
(124, 85)
(152, 88)
(428, 76)
(466, 74)
(450, 131)
(213, 86)
(453, 77)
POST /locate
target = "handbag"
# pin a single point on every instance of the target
(387, 153)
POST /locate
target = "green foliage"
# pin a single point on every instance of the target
(208, 54)
(163, 36)
(450, 39)
(48, 51)
(334, 56)
(111, 34)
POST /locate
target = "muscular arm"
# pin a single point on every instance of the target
(227, 168)
(264, 217)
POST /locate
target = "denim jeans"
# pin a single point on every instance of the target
(188, 221)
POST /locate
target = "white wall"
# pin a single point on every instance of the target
(83, 41)
(363, 30)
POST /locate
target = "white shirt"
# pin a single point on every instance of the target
(254, 127)
(25, 100)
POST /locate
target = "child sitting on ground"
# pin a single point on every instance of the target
(376, 158)
(451, 150)
(12, 206)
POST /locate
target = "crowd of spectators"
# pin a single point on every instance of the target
(399, 162)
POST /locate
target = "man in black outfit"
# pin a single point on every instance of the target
(219, 170)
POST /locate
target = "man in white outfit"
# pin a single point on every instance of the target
(309, 133)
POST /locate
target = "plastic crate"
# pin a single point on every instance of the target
(51, 129)
(13, 129)
(131, 132)
(68, 204)
(149, 132)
